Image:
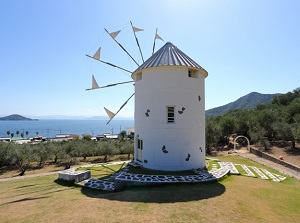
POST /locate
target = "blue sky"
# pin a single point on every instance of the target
(245, 46)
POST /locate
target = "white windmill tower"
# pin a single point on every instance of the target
(169, 109)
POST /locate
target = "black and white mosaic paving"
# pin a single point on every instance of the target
(99, 184)
(218, 171)
(200, 176)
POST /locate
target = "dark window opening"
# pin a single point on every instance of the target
(170, 114)
(193, 74)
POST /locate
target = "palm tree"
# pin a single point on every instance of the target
(17, 132)
(12, 134)
(22, 135)
(26, 134)
(37, 133)
(8, 133)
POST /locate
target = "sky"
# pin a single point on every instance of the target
(246, 46)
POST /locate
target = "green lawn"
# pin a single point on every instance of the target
(234, 199)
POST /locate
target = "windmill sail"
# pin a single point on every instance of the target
(114, 34)
(155, 38)
(94, 84)
(135, 29)
(158, 37)
(97, 54)
(110, 64)
(136, 39)
(111, 114)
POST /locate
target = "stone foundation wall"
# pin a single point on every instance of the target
(274, 159)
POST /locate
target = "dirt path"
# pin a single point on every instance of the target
(28, 176)
(280, 168)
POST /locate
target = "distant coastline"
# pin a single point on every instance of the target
(16, 117)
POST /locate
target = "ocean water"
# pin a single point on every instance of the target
(50, 128)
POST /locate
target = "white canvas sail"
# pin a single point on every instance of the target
(158, 37)
(114, 34)
(110, 114)
(97, 54)
(94, 83)
(135, 29)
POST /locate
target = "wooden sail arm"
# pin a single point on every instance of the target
(109, 85)
(114, 114)
(108, 63)
(113, 37)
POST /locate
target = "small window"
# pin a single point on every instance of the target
(170, 114)
(193, 73)
(138, 76)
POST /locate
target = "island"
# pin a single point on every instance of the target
(16, 117)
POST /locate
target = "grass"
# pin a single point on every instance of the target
(234, 199)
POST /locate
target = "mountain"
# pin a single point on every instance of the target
(16, 117)
(249, 101)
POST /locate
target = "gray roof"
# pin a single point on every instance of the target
(169, 55)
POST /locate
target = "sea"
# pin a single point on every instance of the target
(50, 128)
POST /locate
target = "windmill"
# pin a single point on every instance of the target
(97, 57)
(169, 118)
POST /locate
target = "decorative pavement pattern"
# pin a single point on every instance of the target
(262, 176)
(230, 166)
(201, 176)
(247, 170)
(98, 184)
(217, 173)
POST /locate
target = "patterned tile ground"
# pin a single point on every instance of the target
(248, 171)
(230, 166)
(200, 176)
(262, 176)
(98, 184)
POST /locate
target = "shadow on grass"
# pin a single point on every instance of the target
(24, 199)
(169, 193)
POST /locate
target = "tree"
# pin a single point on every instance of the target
(127, 147)
(55, 149)
(5, 154)
(227, 127)
(84, 147)
(213, 134)
(257, 135)
(41, 153)
(17, 132)
(8, 133)
(22, 135)
(107, 148)
(12, 134)
(24, 155)
(26, 134)
(69, 153)
(37, 133)
(122, 134)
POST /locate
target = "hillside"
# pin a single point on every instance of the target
(249, 101)
(16, 117)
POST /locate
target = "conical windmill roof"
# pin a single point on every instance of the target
(170, 55)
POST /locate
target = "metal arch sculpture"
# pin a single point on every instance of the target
(240, 137)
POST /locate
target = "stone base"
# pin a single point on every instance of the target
(72, 175)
